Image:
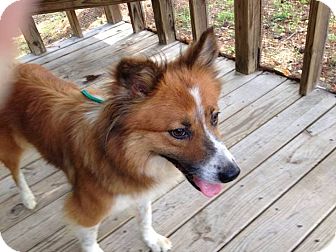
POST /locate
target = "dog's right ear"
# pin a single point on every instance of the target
(203, 52)
(138, 76)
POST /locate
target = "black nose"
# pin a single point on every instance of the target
(229, 173)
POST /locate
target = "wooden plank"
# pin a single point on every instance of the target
(4, 172)
(96, 41)
(45, 6)
(223, 67)
(234, 102)
(199, 17)
(33, 37)
(68, 42)
(257, 192)
(45, 191)
(74, 23)
(164, 20)
(321, 236)
(167, 52)
(315, 42)
(247, 34)
(274, 134)
(237, 127)
(103, 60)
(137, 16)
(291, 218)
(113, 14)
(177, 206)
(45, 221)
(234, 80)
(103, 54)
(33, 172)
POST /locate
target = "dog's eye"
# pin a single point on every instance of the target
(180, 133)
(214, 118)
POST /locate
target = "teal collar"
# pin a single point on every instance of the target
(91, 97)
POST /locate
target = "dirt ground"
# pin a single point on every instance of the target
(284, 28)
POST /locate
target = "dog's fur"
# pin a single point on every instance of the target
(128, 145)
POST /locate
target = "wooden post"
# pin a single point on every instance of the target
(136, 15)
(33, 37)
(164, 20)
(113, 14)
(247, 34)
(74, 23)
(199, 17)
(315, 42)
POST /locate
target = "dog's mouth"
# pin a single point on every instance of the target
(208, 189)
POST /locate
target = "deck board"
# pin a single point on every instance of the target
(46, 191)
(101, 30)
(283, 142)
(259, 112)
(33, 172)
(290, 219)
(320, 236)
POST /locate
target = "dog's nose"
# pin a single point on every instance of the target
(229, 173)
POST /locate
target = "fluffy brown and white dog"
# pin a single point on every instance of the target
(158, 121)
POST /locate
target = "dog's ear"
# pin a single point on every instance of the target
(138, 76)
(203, 52)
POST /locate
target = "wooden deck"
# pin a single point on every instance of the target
(284, 199)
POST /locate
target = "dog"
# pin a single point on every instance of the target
(158, 120)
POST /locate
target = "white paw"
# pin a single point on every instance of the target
(94, 248)
(28, 199)
(157, 242)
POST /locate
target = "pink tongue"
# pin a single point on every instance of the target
(207, 188)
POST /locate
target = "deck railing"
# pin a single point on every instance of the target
(247, 29)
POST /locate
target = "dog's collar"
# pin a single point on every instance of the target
(92, 97)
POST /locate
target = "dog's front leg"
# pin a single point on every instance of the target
(155, 241)
(87, 237)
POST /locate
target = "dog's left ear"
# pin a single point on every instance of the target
(203, 52)
(138, 76)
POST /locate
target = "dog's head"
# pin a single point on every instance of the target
(171, 111)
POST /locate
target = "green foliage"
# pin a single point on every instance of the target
(183, 15)
(225, 16)
(332, 37)
(283, 11)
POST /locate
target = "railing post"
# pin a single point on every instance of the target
(113, 14)
(33, 37)
(247, 34)
(74, 23)
(164, 20)
(315, 42)
(199, 17)
(136, 15)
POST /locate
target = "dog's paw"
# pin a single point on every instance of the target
(157, 242)
(28, 200)
(94, 248)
